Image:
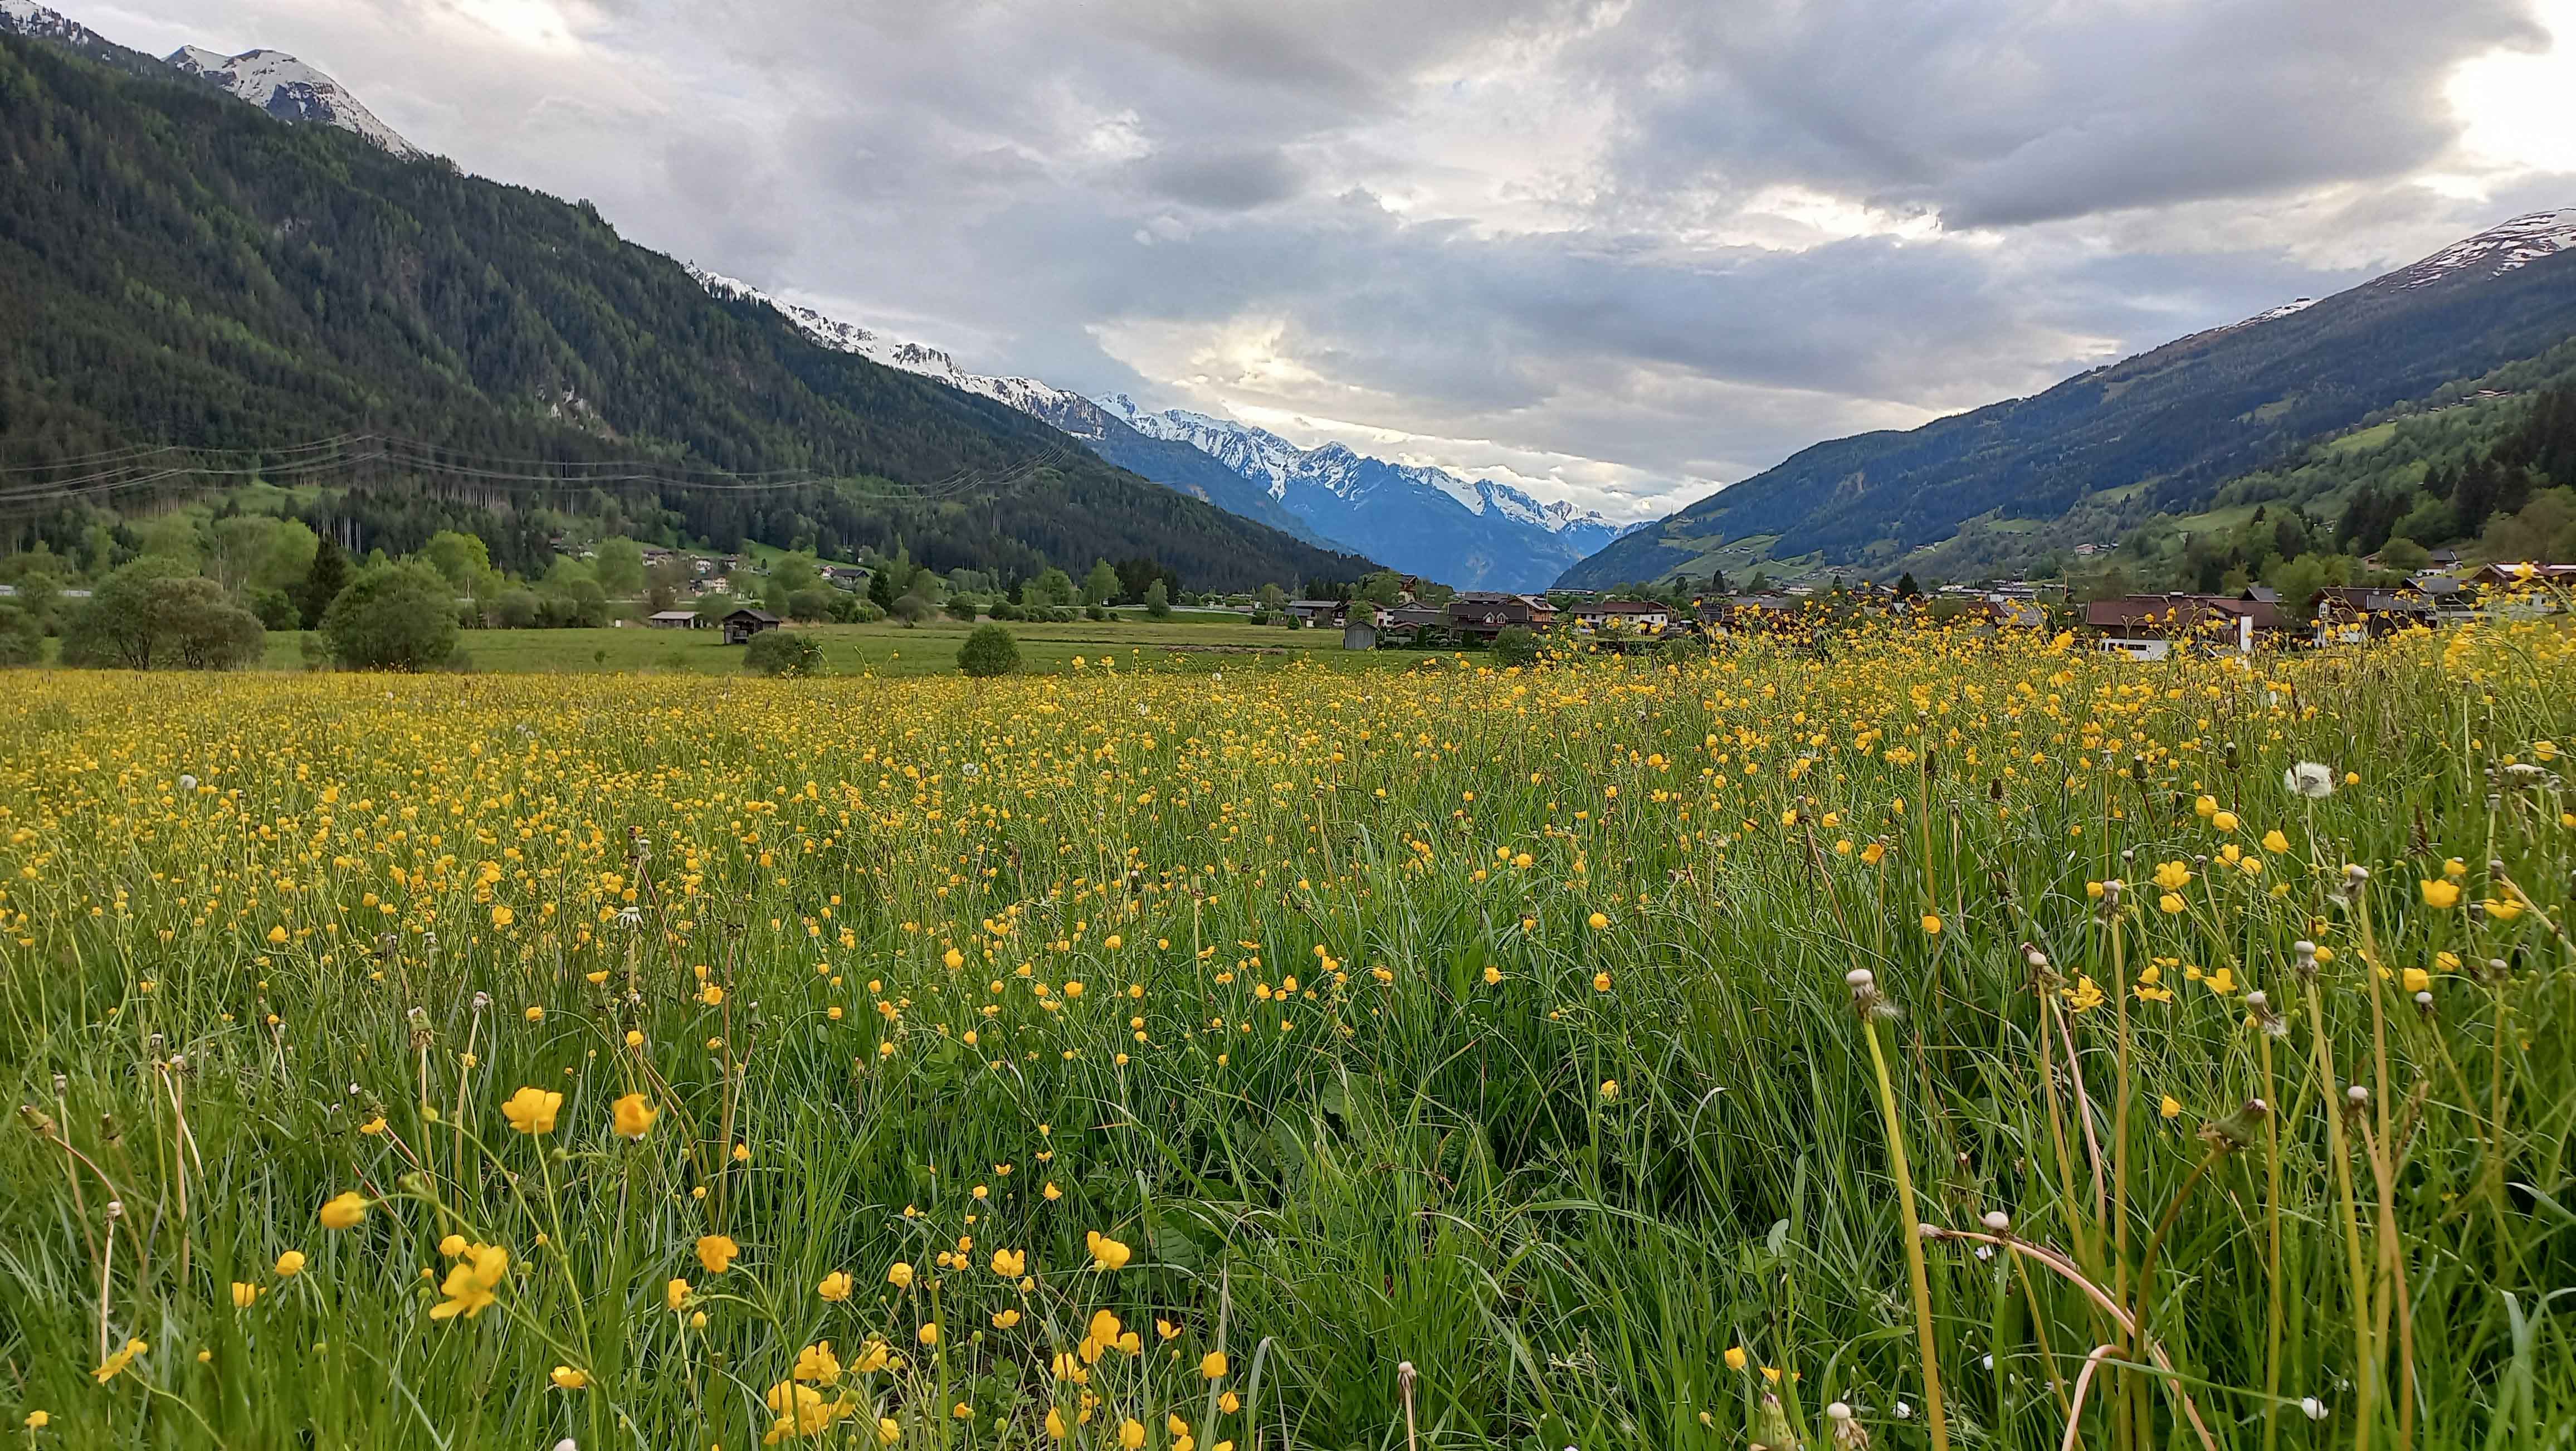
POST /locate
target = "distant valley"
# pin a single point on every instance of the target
(1475, 534)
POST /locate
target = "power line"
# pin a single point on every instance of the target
(123, 471)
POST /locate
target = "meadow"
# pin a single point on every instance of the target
(1213, 642)
(1920, 1039)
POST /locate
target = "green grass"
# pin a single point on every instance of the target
(1494, 1023)
(1195, 643)
(2362, 440)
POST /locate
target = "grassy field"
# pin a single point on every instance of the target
(1151, 1060)
(1211, 642)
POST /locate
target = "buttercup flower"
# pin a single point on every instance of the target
(118, 1361)
(472, 1283)
(633, 1116)
(532, 1110)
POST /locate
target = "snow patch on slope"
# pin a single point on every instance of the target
(2497, 250)
(1025, 394)
(2296, 304)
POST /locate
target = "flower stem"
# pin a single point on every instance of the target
(1914, 1266)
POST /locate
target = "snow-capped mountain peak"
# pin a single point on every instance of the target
(2497, 250)
(25, 17)
(289, 89)
(272, 80)
(1262, 455)
(1257, 454)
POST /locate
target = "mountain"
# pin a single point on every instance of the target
(34, 21)
(1172, 465)
(290, 90)
(1473, 533)
(176, 270)
(2167, 427)
(24, 17)
(272, 80)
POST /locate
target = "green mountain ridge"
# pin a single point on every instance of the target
(176, 268)
(2172, 425)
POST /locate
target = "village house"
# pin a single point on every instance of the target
(2153, 627)
(1638, 615)
(2352, 614)
(2522, 576)
(1317, 613)
(1486, 613)
(746, 622)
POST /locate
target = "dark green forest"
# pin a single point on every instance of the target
(176, 268)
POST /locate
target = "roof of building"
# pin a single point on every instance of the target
(2523, 573)
(673, 615)
(2171, 612)
(747, 611)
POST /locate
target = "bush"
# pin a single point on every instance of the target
(989, 651)
(515, 610)
(911, 609)
(22, 638)
(1005, 610)
(276, 609)
(393, 617)
(783, 653)
(155, 613)
(964, 607)
(578, 604)
(1095, 612)
(1515, 646)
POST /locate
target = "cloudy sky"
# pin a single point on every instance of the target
(1621, 251)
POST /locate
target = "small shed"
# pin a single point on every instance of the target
(746, 622)
(674, 620)
(1359, 635)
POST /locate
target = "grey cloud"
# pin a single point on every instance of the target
(1231, 181)
(2011, 111)
(977, 175)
